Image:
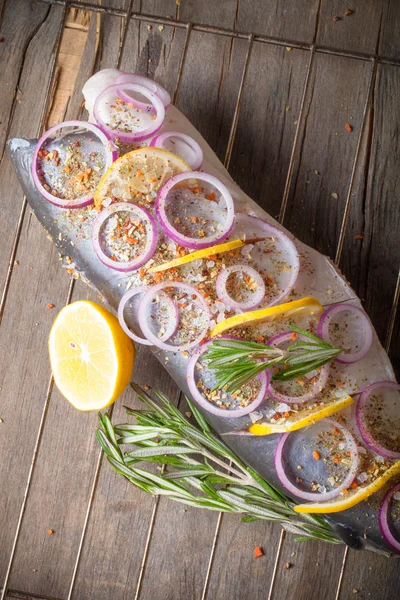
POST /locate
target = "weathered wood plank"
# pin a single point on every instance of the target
(212, 73)
(267, 123)
(279, 18)
(389, 43)
(21, 20)
(311, 568)
(358, 31)
(368, 576)
(24, 330)
(235, 572)
(327, 150)
(372, 263)
(33, 83)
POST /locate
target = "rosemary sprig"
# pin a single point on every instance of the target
(197, 468)
(235, 362)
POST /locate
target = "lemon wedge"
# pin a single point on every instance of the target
(204, 253)
(138, 175)
(298, 308)
(351, 497)
(296, 422)
(91, 356)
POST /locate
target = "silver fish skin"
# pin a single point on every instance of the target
(323, 280)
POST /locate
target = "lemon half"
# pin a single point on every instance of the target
(91, 356)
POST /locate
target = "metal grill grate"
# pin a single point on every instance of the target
(312, 49)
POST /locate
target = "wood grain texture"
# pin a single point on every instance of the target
(280, 18)
(359, 32)
(234, 556)
(311, 568)
(370, 577)
(372, 263)
(267, 123)
(21, 20)
(212, 71)
(326, 151)
(25, 118)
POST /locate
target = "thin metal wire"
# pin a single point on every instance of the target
(393, 314)
(31, 469)
(346, 212)
(235, 119)
(341, 573)
(124, 34)
(182, 62)
(109, 10)
(18, 231)
(146, 547)
(211, 558)
(277, 558)
(299, 125)
(87, 515)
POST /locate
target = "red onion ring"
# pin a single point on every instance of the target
(317, 386)
(362, 421)
(383, 518)
(221, 281)
(244, 222)
(195, 162)
(148, 83)
(317, 496)
(142, 289)
(323, 330)
(111, 156)
(199, 398)
(143, 319)
(132, 136)
(151, 241)
(185, 241)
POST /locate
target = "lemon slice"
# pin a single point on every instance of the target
(298, 308)
(352, 497)
(204, 253)
(138, 175)
(91, 357)
(296, 422)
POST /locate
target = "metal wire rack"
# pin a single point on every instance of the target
(312, 49)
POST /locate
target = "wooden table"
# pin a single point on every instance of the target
(278, 113)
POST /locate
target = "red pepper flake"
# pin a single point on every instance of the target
(316, 455)
(196, 190)
(211, 196)
(358, 237)
(348, 127)
(258, 552)
(294, 335)
(50, 305)
(354, 485)
(348, 12)
(1, 40)
(50, 531)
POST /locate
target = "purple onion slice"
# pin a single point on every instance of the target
(129, 304)
(358, 319)
(238, 406)
(314, 461)
(122, 119)
(384, 516)
(191, 200)
(57, 160)
(194, 316)
(377, 417)
(317, 386)
(181, 144)
(124, 236)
